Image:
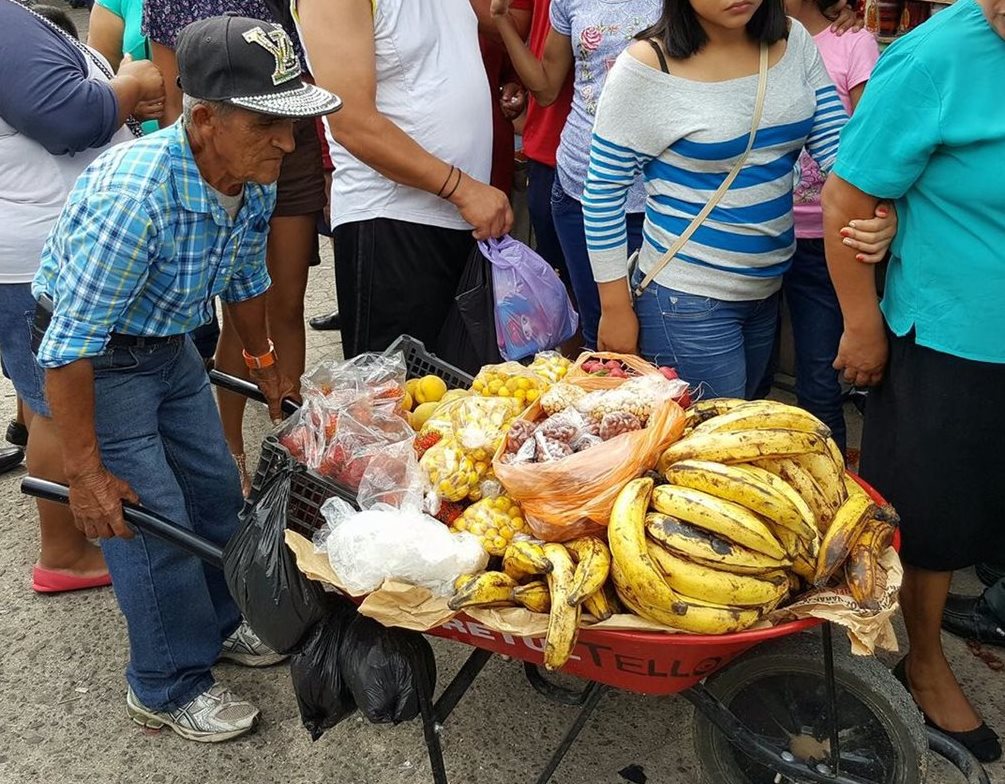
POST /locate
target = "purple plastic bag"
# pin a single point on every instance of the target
(532, 308)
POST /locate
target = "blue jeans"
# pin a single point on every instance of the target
(817, 325)
(567, 214)
(720, 347)
(17, 311)
(540, 181)
(159, 430)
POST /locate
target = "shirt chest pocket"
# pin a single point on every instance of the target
(234, 250)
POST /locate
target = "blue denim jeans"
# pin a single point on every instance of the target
(159, 430)
(567, 214)
(720, 347)
(540, 181)
(817, 325)
(17, 312)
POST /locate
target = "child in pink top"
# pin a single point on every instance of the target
(849, 59)
(816, 316)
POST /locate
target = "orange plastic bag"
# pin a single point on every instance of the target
(573, 496)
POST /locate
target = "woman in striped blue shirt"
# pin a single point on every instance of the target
(677, 107)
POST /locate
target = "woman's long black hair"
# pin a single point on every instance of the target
(682, 35)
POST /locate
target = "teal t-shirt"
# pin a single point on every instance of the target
(133, 41)
(929, 132)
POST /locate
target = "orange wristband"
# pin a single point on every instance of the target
(267, 359)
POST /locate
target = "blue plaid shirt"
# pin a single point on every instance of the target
(143, 245)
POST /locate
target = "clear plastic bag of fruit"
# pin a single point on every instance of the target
(381, 376)
(392, 477)
(573, 495)
(364, 430)
(495, 521)
(510, 380)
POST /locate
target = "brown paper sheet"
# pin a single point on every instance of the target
(412, 607)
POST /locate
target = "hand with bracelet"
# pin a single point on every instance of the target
(273, 385)
(487, 209)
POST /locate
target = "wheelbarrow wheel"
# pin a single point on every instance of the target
(778, 691)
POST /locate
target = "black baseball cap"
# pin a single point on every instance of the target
(248, 63)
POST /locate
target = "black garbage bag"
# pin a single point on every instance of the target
(468, 338)
(322, 696)
(383, 666)
(274, 596)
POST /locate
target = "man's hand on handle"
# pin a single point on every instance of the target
(276, 388)
(96, 498)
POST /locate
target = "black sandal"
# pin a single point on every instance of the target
(981, 741)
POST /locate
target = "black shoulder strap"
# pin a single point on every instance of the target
(659, 54)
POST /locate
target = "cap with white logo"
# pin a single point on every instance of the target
(248, 63)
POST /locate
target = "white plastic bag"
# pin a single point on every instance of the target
(366, 548)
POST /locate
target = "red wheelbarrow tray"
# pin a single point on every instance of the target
(651, 663)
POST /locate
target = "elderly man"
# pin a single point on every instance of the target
(412, 154)
(150, 234)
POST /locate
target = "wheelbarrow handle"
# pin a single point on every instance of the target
(141, 518)
(241, 386)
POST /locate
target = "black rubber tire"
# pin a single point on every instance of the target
(863, 678)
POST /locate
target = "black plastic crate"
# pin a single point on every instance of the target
(419, 362)
(309, 490)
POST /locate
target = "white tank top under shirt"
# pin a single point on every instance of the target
(431, 83)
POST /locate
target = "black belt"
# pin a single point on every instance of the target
(43, 315)
(118, 340)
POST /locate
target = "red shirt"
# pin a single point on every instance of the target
(543, 126)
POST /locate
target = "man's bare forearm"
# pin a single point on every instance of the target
(249, 321)
(854, 281)
(383, 146)
(70, 392)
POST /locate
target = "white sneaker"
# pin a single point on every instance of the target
(244, 647)
(215, 715)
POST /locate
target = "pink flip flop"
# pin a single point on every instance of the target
(50, 581)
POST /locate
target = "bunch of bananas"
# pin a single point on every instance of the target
(756, 507)
(561, 580)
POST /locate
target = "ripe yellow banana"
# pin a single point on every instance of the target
(686, 614)
(534, 595)
(785, 489)
(849, 522)
(636, 576)
(744, 446)
(708, 584)
(488, 589)
(701, 546)
(703, 410)
(736, 484)
(763, 415)
(723, 518)
(828, 475)
(524, 559)
(603, 603)
(802, 550)
(563, 618)
(804, 484)
(862, 567)
(593, 564)
(835, 452)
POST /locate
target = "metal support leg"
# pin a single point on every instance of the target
(430, 728)
(552, 691)
(830, 683)
(593, 694)
(462, 681)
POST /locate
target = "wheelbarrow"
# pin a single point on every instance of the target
(771, 705)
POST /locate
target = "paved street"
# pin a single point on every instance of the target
(64, 722)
